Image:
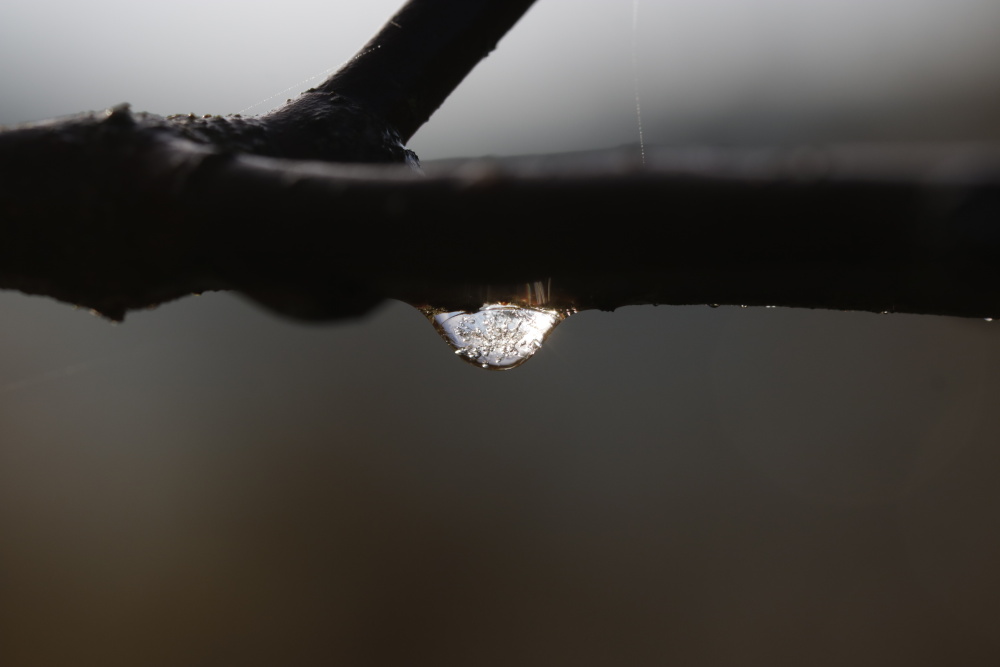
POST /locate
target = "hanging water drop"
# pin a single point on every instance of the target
(498, 336)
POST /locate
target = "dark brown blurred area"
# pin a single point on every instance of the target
(661, 485)
(207, 484)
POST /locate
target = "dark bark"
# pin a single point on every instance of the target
(117, 211)
(421, 55)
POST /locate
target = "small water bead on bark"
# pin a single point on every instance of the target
(498, 336)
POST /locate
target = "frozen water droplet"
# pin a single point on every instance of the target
(498, 336)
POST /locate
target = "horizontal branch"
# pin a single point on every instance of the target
(97, 212)
(117, 211)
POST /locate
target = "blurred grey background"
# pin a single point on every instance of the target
(208, 484)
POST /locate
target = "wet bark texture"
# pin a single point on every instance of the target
(118, 210)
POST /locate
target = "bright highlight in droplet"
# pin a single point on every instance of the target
(498, 336)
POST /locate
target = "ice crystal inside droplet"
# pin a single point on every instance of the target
(497, 336)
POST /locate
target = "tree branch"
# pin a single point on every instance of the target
(421, 55)
(119, 210)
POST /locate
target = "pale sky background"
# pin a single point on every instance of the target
(562, 80)
(210, 484)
